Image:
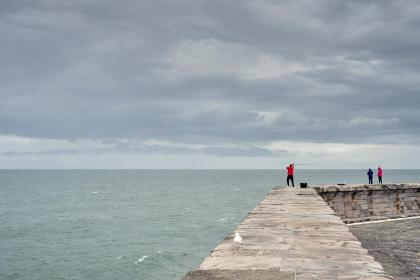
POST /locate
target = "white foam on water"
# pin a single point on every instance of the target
(140, 260)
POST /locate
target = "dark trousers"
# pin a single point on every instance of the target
(380, 179)
(290, 177)
(370, 179)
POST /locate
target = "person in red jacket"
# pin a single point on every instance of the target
(380, 174)
(290, 170)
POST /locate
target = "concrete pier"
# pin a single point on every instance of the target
(291, 234)
(394, 243)
(357, 203)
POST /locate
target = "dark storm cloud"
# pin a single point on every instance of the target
(211, 72)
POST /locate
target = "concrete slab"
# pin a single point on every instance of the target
(222, 274)
(394, 243)
(293, 231)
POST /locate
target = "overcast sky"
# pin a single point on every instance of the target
(209, 84)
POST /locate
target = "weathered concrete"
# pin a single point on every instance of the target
(248, 274)
(395, 244)
(355, 203)
(291, 231)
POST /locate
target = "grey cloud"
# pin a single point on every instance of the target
(100, 70)
(137, 147)
(242, 152)
(40, 153)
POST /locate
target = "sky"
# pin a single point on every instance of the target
(209, 84)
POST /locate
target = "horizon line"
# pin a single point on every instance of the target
(202, 169)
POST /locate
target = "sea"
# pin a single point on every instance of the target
(132, 224)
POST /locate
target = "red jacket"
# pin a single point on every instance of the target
(290, 170)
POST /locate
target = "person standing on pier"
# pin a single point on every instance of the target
(290, 170)
(370, 175)
(380, 174)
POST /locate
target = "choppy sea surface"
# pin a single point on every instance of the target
(132, 224)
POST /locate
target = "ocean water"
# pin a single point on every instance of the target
(132, 224)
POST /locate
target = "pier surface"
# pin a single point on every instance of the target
(395, 244)
(291, 234)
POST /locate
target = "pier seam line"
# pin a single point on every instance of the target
(383, 221)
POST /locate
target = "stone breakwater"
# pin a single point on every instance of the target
(356, 203)
(291, 234)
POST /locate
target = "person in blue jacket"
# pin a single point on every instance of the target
(370, 175)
